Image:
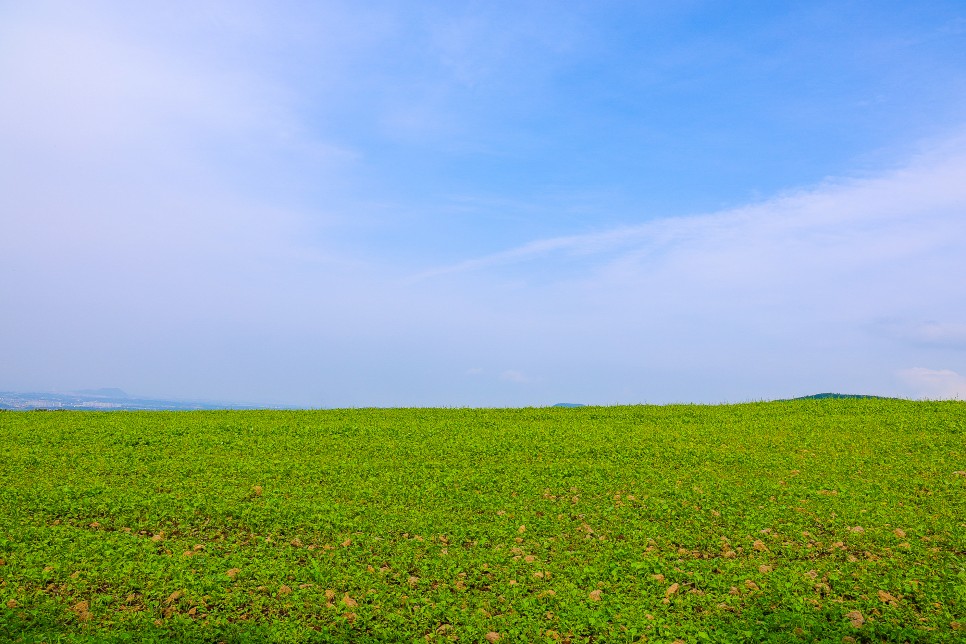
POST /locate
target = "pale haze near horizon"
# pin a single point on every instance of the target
(483, 204)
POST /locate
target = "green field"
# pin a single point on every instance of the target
(799, 521)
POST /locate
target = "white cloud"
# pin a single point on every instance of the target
(935, 383)
(511, 375)
(941, 334)
(114, 143)
(82, 82)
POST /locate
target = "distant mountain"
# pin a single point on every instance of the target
(569, 405)
(102, 400)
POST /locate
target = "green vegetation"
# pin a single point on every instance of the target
(815, 520)
(830, 395)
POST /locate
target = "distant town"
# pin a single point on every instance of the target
(101, 400)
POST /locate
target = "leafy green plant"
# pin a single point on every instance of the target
(811, 520)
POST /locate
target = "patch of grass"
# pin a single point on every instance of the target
(812, 520)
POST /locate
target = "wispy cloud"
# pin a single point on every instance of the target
(935, 383)
(518, 377)
(838, 225)
(933, 334)
(795, 287)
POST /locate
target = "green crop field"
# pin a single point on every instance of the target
(800, 521)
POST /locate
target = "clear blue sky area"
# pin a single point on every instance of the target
(468, 203)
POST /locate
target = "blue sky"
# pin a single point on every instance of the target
(463, 203)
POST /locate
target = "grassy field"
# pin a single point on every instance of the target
(801, 521)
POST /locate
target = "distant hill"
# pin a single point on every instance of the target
(569, 405)
(830, 395)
